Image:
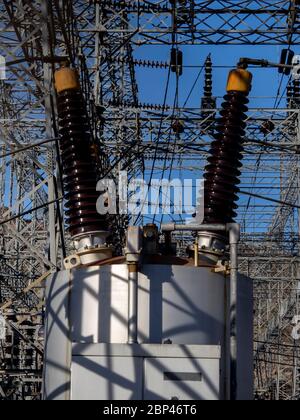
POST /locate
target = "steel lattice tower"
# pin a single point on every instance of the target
(103, 39)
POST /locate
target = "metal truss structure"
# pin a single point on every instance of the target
(103, 39)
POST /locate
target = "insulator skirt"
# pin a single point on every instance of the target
(223, 170)
(79, 165)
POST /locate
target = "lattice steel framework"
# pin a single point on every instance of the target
(102, 39)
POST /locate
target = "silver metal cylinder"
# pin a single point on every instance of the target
(234, 237)
(132, 304)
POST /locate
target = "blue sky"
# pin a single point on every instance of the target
(152, 83)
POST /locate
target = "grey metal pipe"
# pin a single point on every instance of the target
(132, 303)
(133, 251)
(172, 227)
(234, 238)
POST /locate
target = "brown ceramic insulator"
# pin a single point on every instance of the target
(79, 165)
(223, 170)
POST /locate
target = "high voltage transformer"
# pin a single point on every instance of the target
(151, 326)
(131, 307)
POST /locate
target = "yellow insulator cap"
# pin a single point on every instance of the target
(239, 80)
(66, 79)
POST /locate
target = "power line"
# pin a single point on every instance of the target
(25, 213)
(273, 200)
(32, 146)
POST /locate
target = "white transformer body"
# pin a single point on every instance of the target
(182, 351)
